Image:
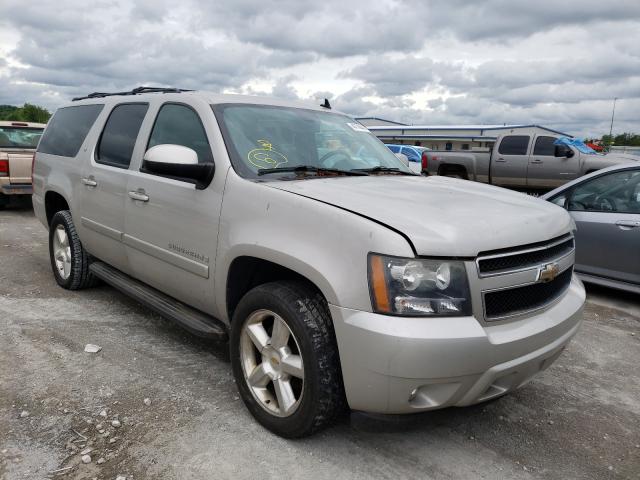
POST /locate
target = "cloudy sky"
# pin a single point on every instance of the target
(558, 64)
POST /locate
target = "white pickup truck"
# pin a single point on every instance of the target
(528, 161)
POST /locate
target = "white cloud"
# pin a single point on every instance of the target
(410, 60)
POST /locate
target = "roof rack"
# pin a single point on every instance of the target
(135, 91)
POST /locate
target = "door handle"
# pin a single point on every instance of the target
(537, 160)
(139, 195)
(625, 224)
(500, 160)
(89, 182)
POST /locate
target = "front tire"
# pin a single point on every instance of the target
(69, 260)
(285, 358)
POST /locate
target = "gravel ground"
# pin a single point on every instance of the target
(180, 416)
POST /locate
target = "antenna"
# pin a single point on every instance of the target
(326, 104)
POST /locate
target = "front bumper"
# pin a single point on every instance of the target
(406, 365)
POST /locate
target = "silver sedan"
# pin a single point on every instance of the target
(606, 208)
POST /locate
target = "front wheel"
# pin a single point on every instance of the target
(285, 358)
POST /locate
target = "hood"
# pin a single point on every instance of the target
(622, 157)
(441, 216)
(609, 159)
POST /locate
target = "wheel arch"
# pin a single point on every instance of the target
(53, 203)
(248, 271)
(448, 168)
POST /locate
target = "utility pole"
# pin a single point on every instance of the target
(611, 128)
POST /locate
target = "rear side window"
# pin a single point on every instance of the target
(180, 125)
(514, 145)
(67, 130)
(545, 146)
(119, 135)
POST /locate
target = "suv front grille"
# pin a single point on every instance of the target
(525, 257)
(505, 303)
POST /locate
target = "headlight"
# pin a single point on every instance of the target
(417, 287)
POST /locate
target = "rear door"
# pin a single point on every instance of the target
(171, 234)
(509, 161)
(104, 180)
(545, 169)
(606, 210)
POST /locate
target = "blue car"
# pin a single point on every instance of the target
(414, 154)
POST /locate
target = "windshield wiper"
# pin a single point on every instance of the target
(381, 169)
(309, 169)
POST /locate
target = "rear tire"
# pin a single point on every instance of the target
(69, 260)
(288, 375)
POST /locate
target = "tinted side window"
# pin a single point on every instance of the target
(120, 133)
(180, 125)
(544, 146)
(514, 145)
(67, 130)
(613, 192)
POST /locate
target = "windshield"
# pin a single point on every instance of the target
(577, 143)
(266, 137)
(19, 137)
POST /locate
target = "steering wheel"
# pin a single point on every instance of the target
(606, 204)
(341, 151)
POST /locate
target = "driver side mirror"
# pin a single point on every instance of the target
(563, 151)
(179, 163)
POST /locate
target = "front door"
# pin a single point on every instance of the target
(606, 210)
(104, 184)
(170, 226)
(546, 171)
(509, 161)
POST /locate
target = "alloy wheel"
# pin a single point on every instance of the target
(271, 363)
(62, 252)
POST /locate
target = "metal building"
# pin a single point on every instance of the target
(447, 137)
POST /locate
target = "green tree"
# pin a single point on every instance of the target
(34, 113)
(628, 139)
(26, 113)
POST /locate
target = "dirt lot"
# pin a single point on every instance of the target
(580, 419)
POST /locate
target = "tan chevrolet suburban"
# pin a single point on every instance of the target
(18, 142)
(288, 230)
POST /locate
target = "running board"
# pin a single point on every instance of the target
(192, 320)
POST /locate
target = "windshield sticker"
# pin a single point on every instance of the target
(358, 128)
(266, 157)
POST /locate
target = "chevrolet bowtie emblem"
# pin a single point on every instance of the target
(548, 272)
